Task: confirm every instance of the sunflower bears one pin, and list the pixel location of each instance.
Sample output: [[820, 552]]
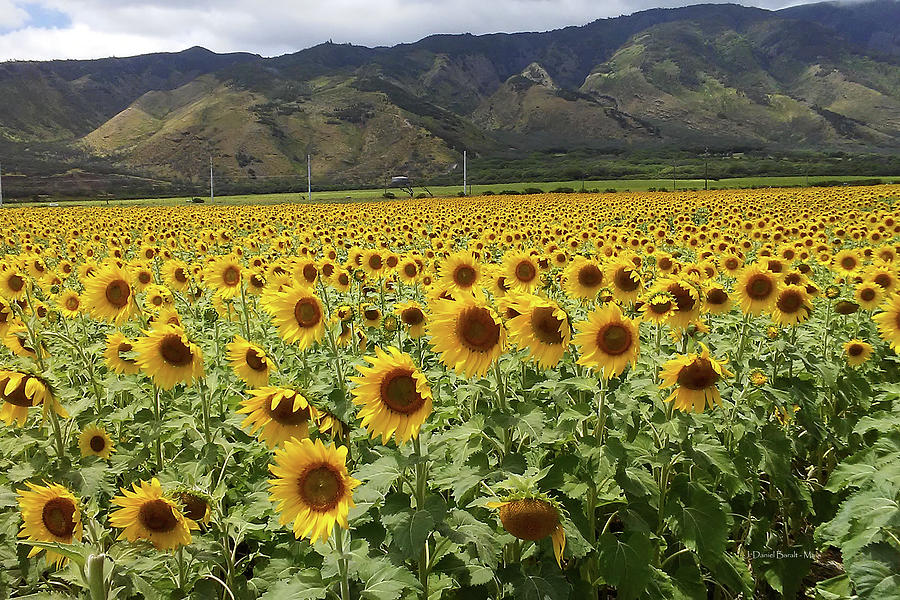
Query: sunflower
[[395, 396], [119, 354], [371, 315], [158, 297], [757, 289], [846, 261], [468, 334], [195, 505], [608, 341], [625, 280], [311, 487], [177, 275], [50, 513], [166, 355], [688, 301], [408, 270], [14, 284], [148, 514], [94, 441], [460, 272], [869, 295], [249, 362], [224, 275], [857, 352], [583, 279], [373, 262], [792, 306], [143, 276], [16, 339], [109, 296], [658, 307], [888, 321], [299, 315], [412, 315], [19, 392], [521, 271], [716, 300], [884, 276], [278, 414], [533, 519], [696, 376], [542, 328]]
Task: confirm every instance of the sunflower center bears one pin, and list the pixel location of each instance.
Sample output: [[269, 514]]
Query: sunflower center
[[321, 488], [16, 283], [284, 413], [371, 314], [848, 263], [343, 279], [194, 506], [180, 276], [231, 276], [71, 302], [660, 308], [525, 271], [307, 313], [157, 516], [412, 316], [464, 276], [792, 279], [310, 273], [731, 264], [124, 347], [398, 391], [477, 330], [97, 443], [699, 375], [614, 339], [590, 276], [883, 279], [174, 351], [144, 277], [58, 517], [759, 287], [409, 269], [117, 293], [546, 326], [683, 298], [16, 397], [855, 350], [624, 281], [717, 296], [529, 519], [328, 269], [255, 360], [789, 302], [257, 281], [867, 295]]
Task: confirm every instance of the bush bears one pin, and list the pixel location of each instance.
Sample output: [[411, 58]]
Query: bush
[[389, 195], [532, 190], [610, 190], [510, 193], [562, 190]]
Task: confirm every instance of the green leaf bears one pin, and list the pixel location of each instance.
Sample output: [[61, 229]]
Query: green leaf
[[385, 581], [836, 588], [547, 587], [699, 518], [78, 553], [462, 528], [875, 572], [305, 585], [624, 562]]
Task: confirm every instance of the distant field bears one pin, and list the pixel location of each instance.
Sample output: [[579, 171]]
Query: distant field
[[619, 185]]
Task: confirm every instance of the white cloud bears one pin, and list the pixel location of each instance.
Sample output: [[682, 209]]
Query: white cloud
[[102, 28]]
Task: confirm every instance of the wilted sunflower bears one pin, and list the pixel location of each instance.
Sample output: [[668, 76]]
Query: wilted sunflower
[[533, 519], [696, 376], [792, 306], [857, 352], [299, 316], [109, 296], [118, 354], [94, 441], [521, 271], [277, 414], [166, 355], [608, 341], [50, 513], [19, 392], [311, 487], [148, 514], [541, 328], [467, 333], [224, 275], [412, 316], [461, 272], [195, 505], [249, 362], [757, 289], [394, 394]]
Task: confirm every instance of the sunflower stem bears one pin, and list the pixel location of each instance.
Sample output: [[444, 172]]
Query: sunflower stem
[[501, 386], [57, 432], [181, 574], [156, 411], [94, 576], [246, 321], [421, 490], [343, 567]]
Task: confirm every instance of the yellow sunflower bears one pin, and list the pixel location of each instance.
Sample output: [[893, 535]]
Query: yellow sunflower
[[166, 355], [50, 513], [14, 284], [277, 414], [847, 261], [19, 392], [857, 352], [249, 362], [17, 340], [716, 300], [119, 354], [688, 301], [94, 441], [533, 519], [299, 316], [521, 271], [658, 307], [542, 328], [869, 295], [608, 341], [461, 272], [412, 315], [177, 275], [888, 321], [109, 295], [69, 304], [624, 279], [757, 289], [792, 306], [467, 333], [148, 514], [394, 394], [224, 275], [695, 376], [311, 487]]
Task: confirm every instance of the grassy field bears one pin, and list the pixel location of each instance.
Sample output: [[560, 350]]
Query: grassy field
[[619, 185]]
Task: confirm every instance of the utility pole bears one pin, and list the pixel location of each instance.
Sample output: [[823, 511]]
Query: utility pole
[[673, 175], [211, 191], [309, 178], [465, 174], [706, 169], [1, 184]]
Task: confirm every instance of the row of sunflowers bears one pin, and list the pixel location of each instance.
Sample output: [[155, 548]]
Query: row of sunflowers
[[645, 395]]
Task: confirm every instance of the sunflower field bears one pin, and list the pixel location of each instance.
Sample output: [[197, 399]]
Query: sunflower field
[[635, 396]]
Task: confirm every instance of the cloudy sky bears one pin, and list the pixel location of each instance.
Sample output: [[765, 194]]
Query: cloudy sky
[[48, 29]]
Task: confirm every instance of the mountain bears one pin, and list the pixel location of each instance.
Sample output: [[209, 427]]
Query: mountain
[[819, 77]]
